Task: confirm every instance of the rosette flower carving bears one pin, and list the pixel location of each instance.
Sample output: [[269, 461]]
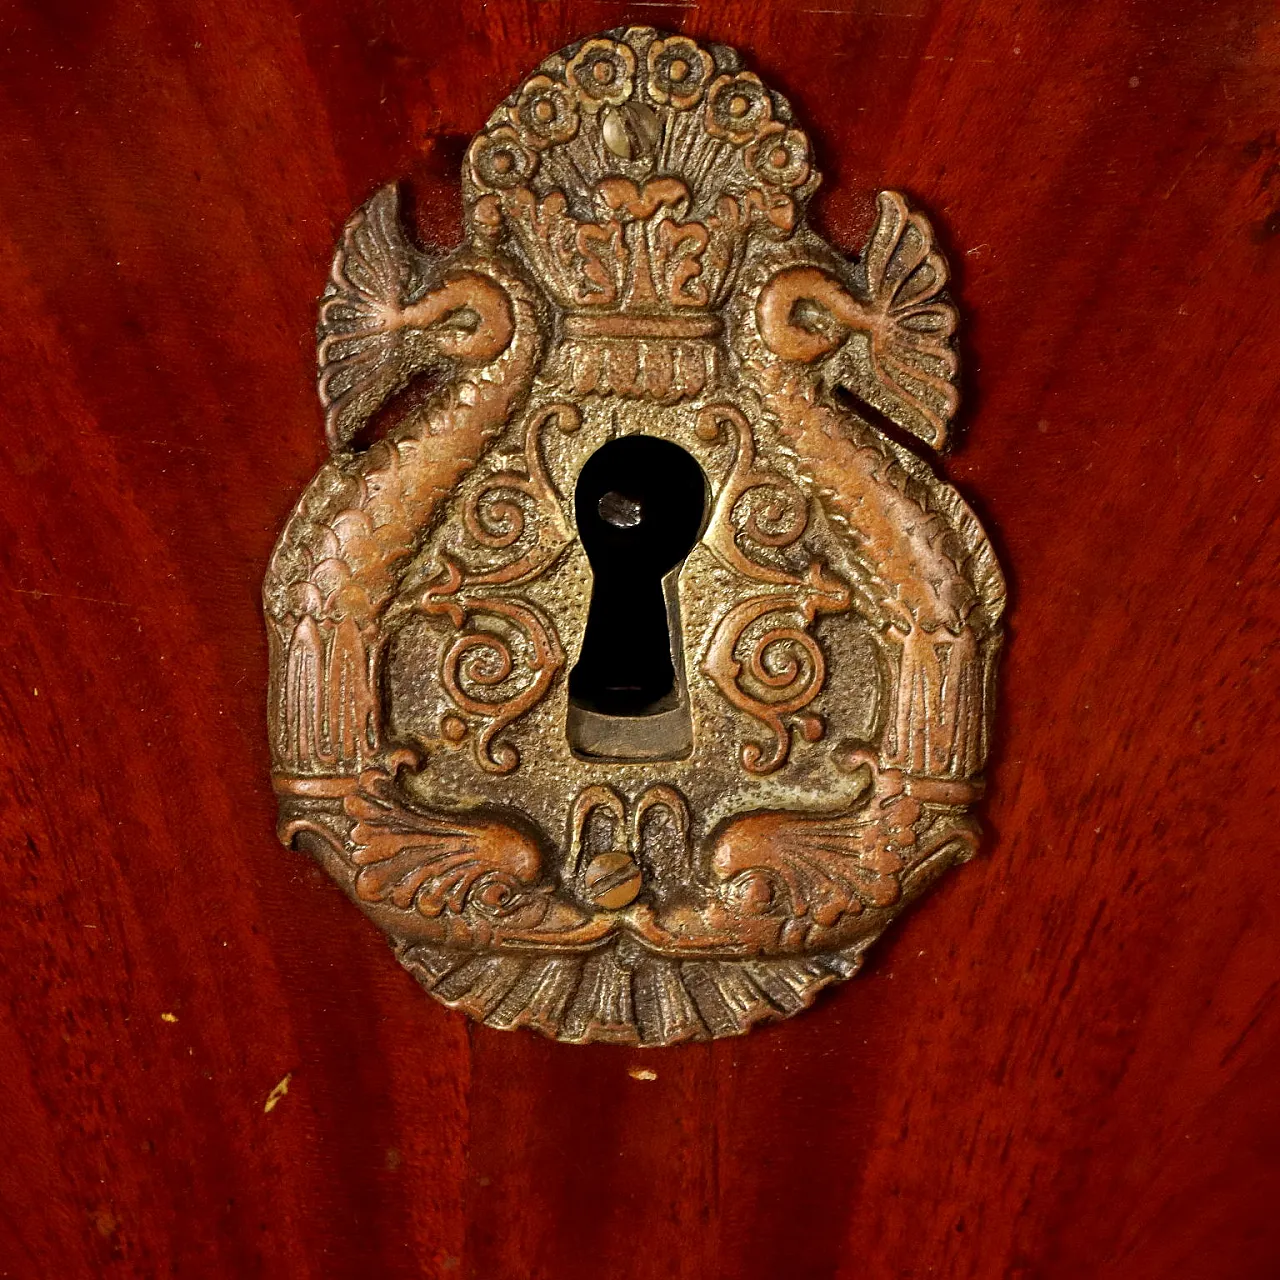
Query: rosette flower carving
[[603, 73], [499, 160], [636, 262], [545, 113], [738, 108], [679, 72], [779, 156]]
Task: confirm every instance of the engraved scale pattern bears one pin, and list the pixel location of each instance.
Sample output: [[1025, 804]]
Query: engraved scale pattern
[[637, 261]]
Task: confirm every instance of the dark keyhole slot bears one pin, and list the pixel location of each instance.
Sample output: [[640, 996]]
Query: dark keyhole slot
[[639, 503]]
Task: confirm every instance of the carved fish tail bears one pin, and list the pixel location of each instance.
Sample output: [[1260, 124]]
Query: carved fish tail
[[937, 728]]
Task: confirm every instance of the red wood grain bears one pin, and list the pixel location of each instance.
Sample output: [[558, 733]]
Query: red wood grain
[[1064, 1064]]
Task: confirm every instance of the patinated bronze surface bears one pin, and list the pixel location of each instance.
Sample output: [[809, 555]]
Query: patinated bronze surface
[[637, 263]]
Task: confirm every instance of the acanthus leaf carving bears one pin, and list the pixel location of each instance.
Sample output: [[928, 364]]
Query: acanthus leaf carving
[[637, 264], [434, 862], [784, 669]]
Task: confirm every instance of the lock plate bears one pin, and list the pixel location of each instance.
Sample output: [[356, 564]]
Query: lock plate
[[637, 263]]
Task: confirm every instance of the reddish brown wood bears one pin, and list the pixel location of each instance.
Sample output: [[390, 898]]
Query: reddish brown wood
[[1062, 1065]]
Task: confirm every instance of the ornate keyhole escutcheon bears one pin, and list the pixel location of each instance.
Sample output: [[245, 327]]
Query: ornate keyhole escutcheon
[[640, 503], [634, 677]]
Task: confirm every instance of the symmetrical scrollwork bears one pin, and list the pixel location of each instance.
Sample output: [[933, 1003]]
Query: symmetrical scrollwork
[[505, 653], [754, 504], [498, 511], [479, 669], [770, 670], [636, 262], [783, 668]]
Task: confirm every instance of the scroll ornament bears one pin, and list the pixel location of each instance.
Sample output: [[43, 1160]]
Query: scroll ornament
[[636, 262]]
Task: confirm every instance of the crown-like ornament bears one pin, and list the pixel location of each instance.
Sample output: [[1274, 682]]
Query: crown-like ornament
[[629, 178], [638, 266]]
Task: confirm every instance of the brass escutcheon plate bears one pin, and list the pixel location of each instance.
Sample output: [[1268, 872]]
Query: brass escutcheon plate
[[636, 263]]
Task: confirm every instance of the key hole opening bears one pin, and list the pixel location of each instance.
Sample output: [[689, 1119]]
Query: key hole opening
[[640, 504]]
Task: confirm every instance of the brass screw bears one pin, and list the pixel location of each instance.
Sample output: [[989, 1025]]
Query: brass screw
[[612, 881]]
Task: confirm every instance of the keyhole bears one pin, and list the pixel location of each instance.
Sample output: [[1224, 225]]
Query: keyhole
[[639, 504]]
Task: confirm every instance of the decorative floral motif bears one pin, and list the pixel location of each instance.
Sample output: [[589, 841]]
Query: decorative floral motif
[[772, 671], [738, 108], [545, 113], [679, 72], [433, 861], [603, 72], [780, 156], [829, 864], [499, 160], [636, 234]]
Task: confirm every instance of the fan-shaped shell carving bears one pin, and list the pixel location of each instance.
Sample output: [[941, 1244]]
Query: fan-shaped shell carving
[[637, 261]]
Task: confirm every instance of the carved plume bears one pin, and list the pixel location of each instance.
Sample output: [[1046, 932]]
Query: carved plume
[[628, 174]]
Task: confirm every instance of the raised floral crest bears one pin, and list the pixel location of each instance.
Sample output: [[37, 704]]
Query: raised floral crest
[[637, 264]]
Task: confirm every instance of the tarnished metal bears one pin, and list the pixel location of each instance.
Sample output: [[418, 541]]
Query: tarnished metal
[[636, 264]]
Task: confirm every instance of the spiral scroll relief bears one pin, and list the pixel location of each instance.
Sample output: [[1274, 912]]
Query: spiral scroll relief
[[636, 263], [479, 669]]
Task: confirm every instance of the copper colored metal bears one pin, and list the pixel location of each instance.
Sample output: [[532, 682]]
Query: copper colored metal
[[636, 262]]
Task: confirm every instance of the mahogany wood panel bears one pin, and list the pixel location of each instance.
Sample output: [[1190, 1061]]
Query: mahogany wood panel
[[1064, 1064]]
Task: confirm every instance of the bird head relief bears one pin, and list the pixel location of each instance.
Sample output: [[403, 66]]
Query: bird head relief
[[627, 668]]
